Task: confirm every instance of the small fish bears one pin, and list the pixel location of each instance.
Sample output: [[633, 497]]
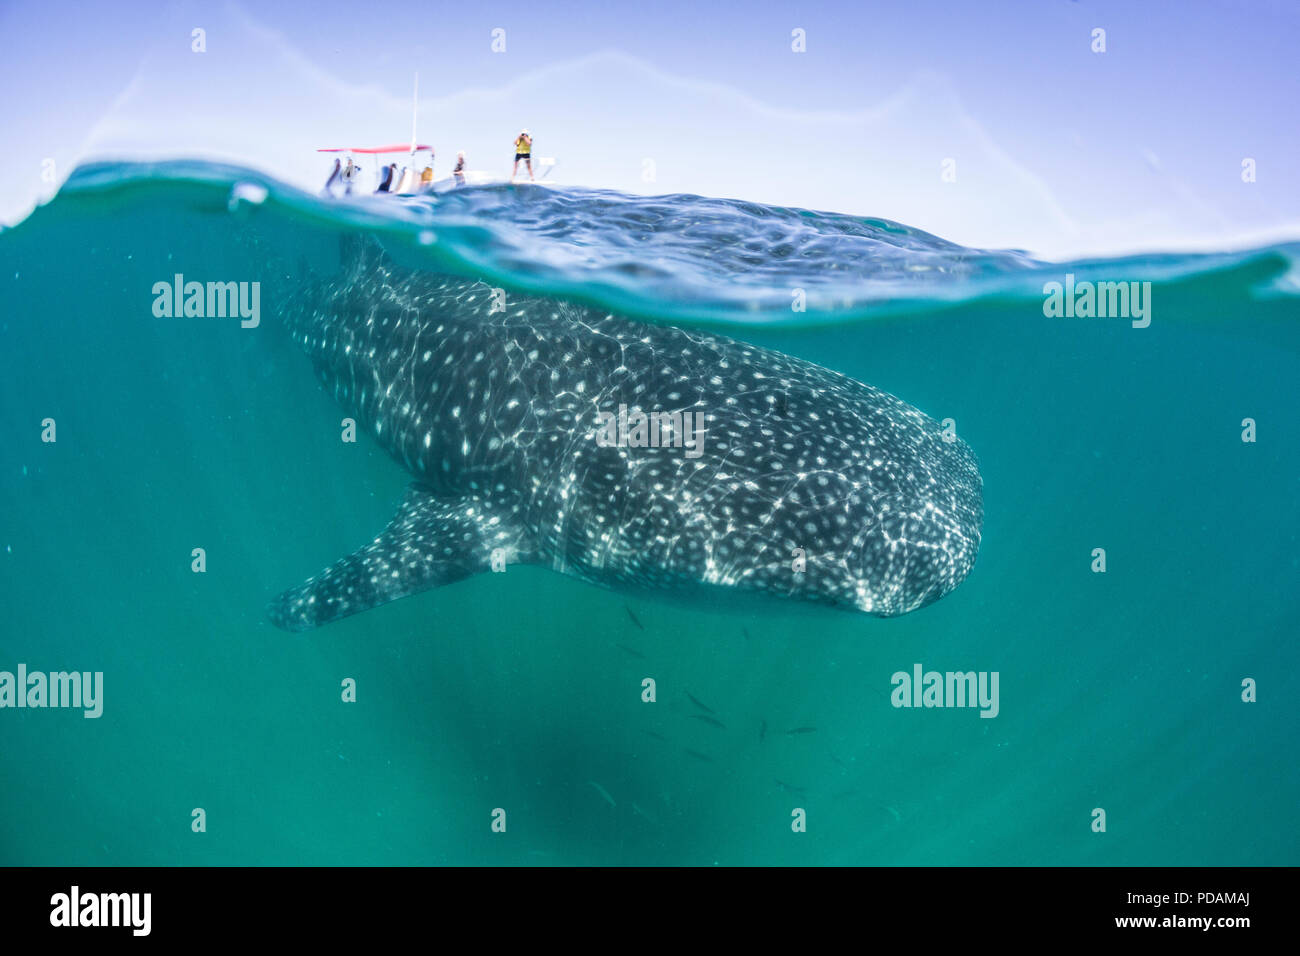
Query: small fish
[[762, 731], [801, 730], [787, 788], [656, 735], [894, 813], [745, 631], [603, 792], [710, 720], [633, 617], [699, 756], [631, 650], [838, 761], [700, 704]]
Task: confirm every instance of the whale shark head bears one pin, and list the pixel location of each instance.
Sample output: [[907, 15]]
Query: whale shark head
[[889, 519], [909, 555], [919, 544]]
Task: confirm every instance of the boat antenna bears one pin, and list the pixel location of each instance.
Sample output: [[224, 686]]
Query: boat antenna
[[415, 106]]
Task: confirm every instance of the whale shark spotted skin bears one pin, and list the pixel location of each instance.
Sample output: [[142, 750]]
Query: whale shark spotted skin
[[807, 485]]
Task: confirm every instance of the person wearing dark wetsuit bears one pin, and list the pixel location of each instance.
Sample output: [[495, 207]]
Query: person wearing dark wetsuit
[[334, 177]]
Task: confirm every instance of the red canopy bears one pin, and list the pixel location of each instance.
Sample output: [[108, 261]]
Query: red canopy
[[396, 148]]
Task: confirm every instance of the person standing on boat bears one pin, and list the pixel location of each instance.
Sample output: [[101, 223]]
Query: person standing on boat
[[349, 174], [334, 177], [524, 151], [388, 178], [459, 171]]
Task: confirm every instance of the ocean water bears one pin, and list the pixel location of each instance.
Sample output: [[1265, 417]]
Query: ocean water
[[522, 691]]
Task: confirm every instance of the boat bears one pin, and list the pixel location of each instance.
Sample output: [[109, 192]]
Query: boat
[[410, 182]]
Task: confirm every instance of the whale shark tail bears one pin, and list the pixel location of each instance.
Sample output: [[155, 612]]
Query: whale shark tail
[[430, 542]]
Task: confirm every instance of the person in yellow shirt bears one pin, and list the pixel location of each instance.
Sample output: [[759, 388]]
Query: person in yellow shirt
[[524, 151]]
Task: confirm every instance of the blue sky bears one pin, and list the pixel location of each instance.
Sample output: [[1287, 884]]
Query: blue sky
[[1056, 149]]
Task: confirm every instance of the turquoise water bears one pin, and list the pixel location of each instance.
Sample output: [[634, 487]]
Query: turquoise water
[[521, 690]]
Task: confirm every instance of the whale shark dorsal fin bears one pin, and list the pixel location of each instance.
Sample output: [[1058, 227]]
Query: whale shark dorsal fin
[[430, 542]]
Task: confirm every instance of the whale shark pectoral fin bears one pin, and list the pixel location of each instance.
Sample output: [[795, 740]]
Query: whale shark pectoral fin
[[430, 542]]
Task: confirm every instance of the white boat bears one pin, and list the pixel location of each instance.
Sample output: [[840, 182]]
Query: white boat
[[409, 182], [409, 179]]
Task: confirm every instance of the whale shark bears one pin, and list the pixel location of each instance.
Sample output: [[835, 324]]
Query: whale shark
[[631, 455]]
